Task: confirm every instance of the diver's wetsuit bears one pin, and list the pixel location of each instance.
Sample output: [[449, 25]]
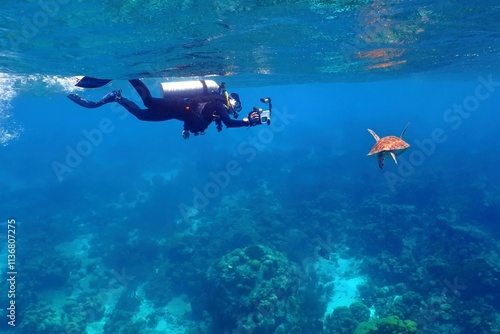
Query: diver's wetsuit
[[196, 113]]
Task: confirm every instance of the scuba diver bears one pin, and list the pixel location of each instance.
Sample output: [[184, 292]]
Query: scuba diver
[[197, 112]]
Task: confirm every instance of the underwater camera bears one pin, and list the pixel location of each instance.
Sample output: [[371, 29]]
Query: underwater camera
[[265, 115]]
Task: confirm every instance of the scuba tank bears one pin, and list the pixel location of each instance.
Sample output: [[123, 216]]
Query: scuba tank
[[189, 89]]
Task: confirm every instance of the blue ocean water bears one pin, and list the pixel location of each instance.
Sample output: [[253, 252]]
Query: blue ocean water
[[114, 225]]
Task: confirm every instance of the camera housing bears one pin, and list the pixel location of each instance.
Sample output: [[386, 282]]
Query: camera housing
[[265, 115]]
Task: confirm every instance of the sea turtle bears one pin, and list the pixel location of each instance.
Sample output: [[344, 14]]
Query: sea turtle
[[390, 145]]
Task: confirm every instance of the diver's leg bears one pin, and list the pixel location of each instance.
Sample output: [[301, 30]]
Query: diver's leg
[[110, 97], [83, 102], [142, 90], [143, 114], [134, 109], [154, 103], [161, 108], [131, 107]]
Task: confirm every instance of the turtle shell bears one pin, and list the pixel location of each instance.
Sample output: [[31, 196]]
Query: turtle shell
[[389, 143]]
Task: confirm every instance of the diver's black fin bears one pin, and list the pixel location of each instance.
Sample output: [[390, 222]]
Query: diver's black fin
[[89, 82]]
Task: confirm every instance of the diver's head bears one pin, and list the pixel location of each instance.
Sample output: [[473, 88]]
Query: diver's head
[[234, 101]]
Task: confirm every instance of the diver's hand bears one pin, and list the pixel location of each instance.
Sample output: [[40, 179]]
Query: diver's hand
[[253, 118], [185, 134]]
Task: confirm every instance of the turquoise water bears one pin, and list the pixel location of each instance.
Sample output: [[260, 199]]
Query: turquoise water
[[123, 226]]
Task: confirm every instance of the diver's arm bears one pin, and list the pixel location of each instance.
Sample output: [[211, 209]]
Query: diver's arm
[[228, 121]]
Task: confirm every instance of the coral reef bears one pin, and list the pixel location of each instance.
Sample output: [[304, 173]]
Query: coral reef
[[343, 319], [428, 263], [254, 290], [340, 321], [388, 325], [394, 325], [47, 319]]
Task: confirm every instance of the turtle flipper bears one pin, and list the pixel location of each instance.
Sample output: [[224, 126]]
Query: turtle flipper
[[381, 161], [403, 133], [393, 157], [374, 135]]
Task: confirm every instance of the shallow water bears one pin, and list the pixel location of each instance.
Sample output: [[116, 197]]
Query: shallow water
[[264, 42]]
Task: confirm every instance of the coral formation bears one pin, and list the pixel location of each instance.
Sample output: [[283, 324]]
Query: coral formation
[[254, 290], [388, 325], [344, 320], [340, 321], [69, 319]]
